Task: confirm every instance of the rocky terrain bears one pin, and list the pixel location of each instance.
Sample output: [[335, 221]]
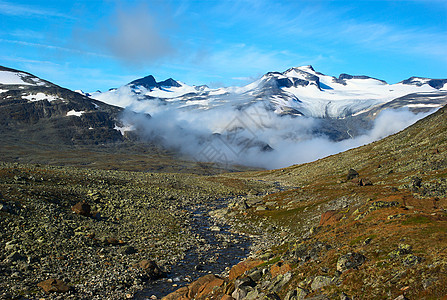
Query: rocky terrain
[[369, 223], [105, 216], [103, 234]]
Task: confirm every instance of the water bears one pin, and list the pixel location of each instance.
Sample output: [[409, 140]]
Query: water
[[217, 251]]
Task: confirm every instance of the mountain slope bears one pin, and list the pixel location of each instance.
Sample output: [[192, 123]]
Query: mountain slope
[[45, 123], [368, 223], [39, 110]]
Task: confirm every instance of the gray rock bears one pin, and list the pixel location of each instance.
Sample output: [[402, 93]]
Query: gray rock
[[352, 174], [350, 261], [343, 296], [426, 283], [401, 297], [255, 275], [15, 256], [297, 294], [127, 250], [321, 281], [411, 260]]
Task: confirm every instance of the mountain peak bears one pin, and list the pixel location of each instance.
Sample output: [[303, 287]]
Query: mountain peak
[[169, 83], [148, 82], [306, 68]]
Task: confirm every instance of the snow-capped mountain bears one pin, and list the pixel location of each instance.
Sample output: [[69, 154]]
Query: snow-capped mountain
[[34, 109], [299, 91]]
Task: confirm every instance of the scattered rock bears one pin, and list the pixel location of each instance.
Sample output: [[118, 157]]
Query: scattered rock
[[81, 208], [127, 250], [426, 283], [352, 174], [242, 267], [364, 182], [151, 268], [411, 260], [53, 285], [350, 261], [382, 204], [402, 249], [321, 281], [280, 268], [214, 228]]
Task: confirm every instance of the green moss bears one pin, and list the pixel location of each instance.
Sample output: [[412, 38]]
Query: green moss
[[271, 262], [416, 220], [362, 238]]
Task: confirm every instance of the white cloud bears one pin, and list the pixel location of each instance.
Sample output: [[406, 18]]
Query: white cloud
[[132, 34], [244, 133]]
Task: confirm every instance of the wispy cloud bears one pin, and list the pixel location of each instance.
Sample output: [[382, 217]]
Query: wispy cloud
[[14, 9], [52, 47]]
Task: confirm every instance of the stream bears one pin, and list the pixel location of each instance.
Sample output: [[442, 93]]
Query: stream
[[218, 249]]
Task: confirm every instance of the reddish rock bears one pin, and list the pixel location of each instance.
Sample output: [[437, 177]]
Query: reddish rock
[[180, 294], [111, 241], [209, 286], [207, 282], [198, 289], [151, 268], [243, 266], [365, 182], [280, 268], [81, 208], [330, 217], [53, 285]]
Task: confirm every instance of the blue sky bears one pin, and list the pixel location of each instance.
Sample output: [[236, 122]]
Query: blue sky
[[96, 44]]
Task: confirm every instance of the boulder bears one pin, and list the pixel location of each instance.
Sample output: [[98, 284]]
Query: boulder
[[352, 174], [243, 266], [204, 285], [53, 285], [151, 268], [82, 208], [364, 182], [321, 281], [280, 268], [350, 261]]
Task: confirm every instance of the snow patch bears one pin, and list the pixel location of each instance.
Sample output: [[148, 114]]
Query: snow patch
[[75, 113], [40, 96], [422, 105], [2, 91], [8, 77]]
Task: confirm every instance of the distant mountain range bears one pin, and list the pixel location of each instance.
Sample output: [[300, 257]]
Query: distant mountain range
[[292, 106], [345, 105], [299, 91]]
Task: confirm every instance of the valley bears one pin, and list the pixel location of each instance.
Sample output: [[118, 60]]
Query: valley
[[92, 211]]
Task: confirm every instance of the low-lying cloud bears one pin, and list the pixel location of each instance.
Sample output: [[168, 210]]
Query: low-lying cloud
[[251, 136]]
